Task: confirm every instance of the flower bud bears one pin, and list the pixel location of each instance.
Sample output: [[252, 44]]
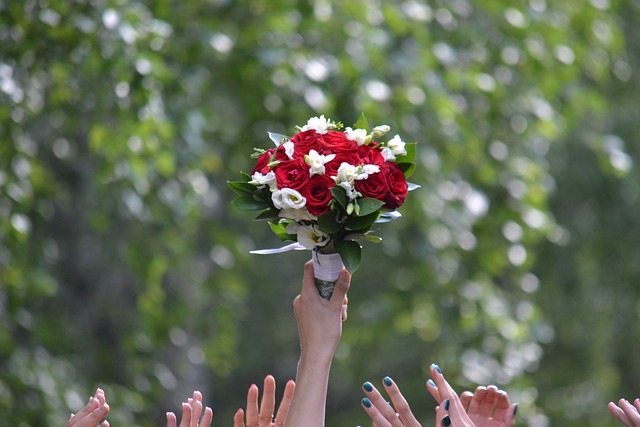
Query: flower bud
[[381, 130]]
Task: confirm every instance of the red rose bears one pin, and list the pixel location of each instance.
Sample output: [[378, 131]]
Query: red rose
[[263, 161], [351, 157], [303, 142], [369, 155], [335, 142], [375, 186], [292, 174], [318, 194], [397, 183]]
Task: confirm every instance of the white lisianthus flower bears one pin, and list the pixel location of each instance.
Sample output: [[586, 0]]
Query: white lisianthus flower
[[344, 178], [317, 161], [388, 155], [395, 147], [269, 179], [357, 135], [288, 149], [288, 198], [309, 236], [364, 171], [379, 131], [297, 214], [319, 124]]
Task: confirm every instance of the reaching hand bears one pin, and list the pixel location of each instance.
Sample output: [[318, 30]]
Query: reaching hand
[[92, 413], [381, 413], [625, 412], [191, 411], [263, 416], [487, 407]]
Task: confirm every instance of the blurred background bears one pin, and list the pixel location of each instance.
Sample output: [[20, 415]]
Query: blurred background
[[123, 264]]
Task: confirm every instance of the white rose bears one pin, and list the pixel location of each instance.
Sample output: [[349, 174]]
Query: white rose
[[287, 198], [357, 135], [309, 236]]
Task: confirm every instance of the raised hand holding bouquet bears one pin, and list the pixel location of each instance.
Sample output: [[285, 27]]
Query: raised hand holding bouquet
[[324, 188]]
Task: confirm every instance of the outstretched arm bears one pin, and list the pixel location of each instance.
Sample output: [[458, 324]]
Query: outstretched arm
[[320, 328]]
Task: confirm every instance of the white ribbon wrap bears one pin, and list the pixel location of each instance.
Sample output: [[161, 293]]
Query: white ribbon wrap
[[327, 267]]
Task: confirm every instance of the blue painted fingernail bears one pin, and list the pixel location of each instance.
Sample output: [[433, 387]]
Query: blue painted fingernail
[[446, 421], [436, 367], [387, 381], [367, 386], [446, 405], [366, 402], [431, 383], [515, 410]]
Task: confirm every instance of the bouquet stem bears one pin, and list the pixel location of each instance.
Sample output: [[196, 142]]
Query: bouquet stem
[[326, 269]]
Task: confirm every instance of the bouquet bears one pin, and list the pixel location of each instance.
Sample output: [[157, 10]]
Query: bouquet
[[324, 188]]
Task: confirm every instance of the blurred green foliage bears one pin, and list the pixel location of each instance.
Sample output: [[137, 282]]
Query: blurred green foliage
[[123, 265]]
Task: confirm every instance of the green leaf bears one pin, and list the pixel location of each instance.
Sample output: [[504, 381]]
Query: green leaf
[[245, 176], [361, 222], [267, 215], [407, 168], [327, 223], [362, 123], [368, 206], [350, 253], [340, 196], [247, 203], [410, 157], [241, 188], [280, 230], [372, 239]]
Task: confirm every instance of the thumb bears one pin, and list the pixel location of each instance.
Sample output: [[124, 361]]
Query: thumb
[[341, 288]]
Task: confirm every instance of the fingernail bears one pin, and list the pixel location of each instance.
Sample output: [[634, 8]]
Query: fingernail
[[515, 410], [367, 386], [446, 421], [437, 368], [366, 402], [387, 381], [431, 383], [446, 405]]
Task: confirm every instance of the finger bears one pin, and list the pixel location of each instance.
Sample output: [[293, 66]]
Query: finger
[[630, 411], [489, 402], [308, 282], [341, 288], [432, 388], [283, 410], [196, 408], [400, 403], [373, 411], [465, 399], [238, 418], [375, 399], [105, 423], [636, 403], [477, 400], [442, 414], [252, 406], [172, 421], [91, 406], [94, 418], [267, 404], [206, 418], [457, 413], [185, 421], [345, 309], [502, 411], [619, 414]]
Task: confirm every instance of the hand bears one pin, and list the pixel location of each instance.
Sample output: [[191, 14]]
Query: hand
[[92, 413], [320, 321], [625, 412], [263, 416], [191, 411], [450, 410], [381, 413]]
